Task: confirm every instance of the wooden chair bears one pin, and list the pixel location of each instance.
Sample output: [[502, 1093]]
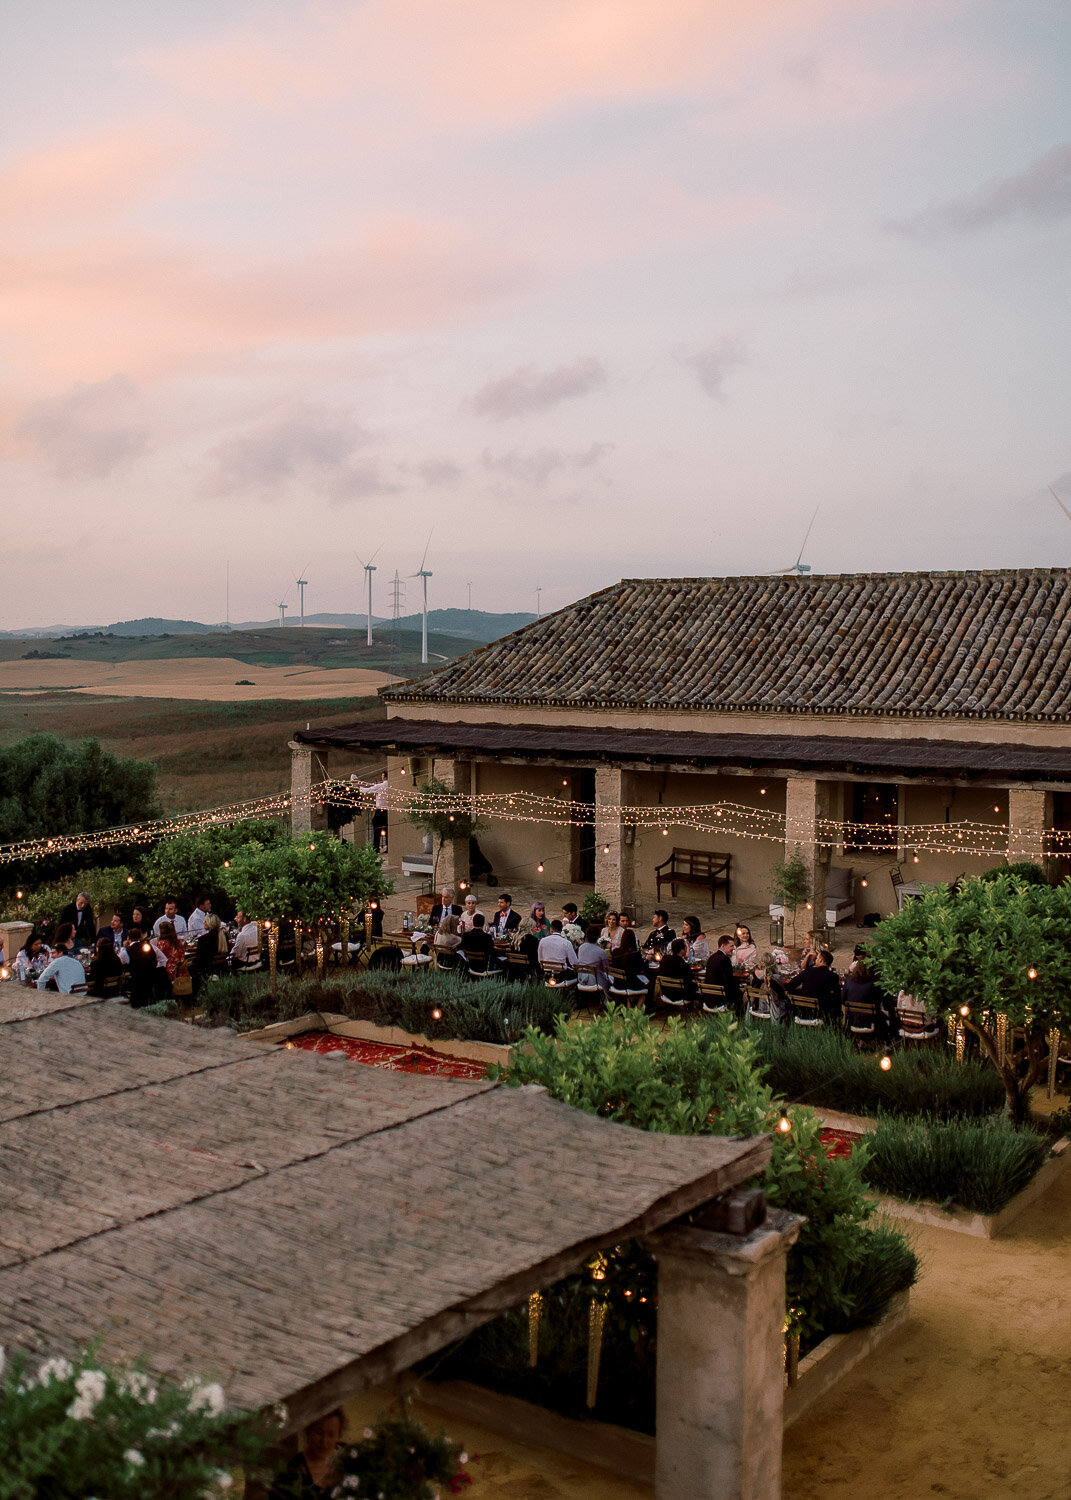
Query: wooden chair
[[672, 995], [712, 998], [804, 1010], [621, 988], [558, 976], [519, 966], [587, 983], [446, 959], [861, 1020], [480, 965], [916, 1028]]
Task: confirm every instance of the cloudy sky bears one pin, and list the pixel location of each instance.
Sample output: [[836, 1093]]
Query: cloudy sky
[[595, 288]]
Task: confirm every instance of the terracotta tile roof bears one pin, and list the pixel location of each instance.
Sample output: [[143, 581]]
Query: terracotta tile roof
[[932, 645]]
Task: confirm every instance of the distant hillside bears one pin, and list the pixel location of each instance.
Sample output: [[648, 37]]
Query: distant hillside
[[476, 626], [473, 624]]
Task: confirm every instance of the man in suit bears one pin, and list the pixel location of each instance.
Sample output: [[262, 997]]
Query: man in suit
[[444, 907], [478, 946], [80, 915], [719, 970], [505, 919], [816, 982], [661, 933]]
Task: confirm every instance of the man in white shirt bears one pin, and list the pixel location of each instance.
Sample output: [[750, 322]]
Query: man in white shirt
[[555, 948], [381, 790], [247, 943], [196, 925], [171, 914], [65, 970]]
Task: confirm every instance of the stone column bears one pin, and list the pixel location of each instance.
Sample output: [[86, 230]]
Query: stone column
[[308, 768], [721, 1309], [807, 800], [1029, 818], [615, 860], [453, 866]]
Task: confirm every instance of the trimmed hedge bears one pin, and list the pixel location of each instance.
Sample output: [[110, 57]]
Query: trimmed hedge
[[979, 1165], [825, 1068]]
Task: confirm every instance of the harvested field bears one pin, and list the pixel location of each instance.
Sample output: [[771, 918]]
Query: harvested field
[[218, 679]]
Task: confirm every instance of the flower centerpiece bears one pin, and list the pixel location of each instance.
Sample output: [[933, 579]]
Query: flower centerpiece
[[574, 932]]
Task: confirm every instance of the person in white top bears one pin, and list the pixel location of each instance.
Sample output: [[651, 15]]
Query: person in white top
[[65, 970], [247, 943], [171, 914], [381, 791], [469, 912], [196, 925], [555, 948]]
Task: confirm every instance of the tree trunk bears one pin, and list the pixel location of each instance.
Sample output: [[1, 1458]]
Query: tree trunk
[[1016, 1088]]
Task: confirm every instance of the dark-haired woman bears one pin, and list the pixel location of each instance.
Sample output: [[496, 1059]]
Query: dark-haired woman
[[628, 957], [32, 959], [104, 966]]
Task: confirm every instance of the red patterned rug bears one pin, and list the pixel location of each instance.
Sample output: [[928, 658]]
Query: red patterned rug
[[838, 1142], [386, 1055]]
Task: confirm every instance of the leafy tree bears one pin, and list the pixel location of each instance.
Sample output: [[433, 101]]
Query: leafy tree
[[110, 889], [790, 883], [703, 1080], [305, 879], [48, 786], [995, 949], [428, 812], [190, 864]]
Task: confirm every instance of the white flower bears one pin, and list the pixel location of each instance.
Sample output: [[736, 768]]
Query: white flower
[[224, 1480], [137, 1383], [350, 1483], [367, 1432], [280, 1413], [462, 1458], [54, 1369], [207, 1398], [134, 1458], [91, 1386]]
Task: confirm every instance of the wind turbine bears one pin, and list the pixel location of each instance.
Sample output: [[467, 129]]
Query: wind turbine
[[424, 573], [281, 607], [539, 596], [798, 566], [302, 584], [369, 568]]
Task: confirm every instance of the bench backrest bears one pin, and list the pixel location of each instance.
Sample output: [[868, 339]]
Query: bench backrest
[[700, 863]]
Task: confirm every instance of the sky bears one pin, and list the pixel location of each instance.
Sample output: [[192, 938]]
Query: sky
[[584, 289]]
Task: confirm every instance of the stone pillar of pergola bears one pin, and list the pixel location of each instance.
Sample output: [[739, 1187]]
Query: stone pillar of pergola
[[1029, 819], [615, 861], [806, 802], [308, 769], [721, 1309], [453, 864]]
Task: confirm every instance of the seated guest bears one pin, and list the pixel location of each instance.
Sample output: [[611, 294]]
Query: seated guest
[[719, 970], [538, 915], [139, 918], [570, 916], [478, 943], [525, 938], [629, 961], [624, 922], [747, 954], [505, 918], [661, 933], [448, 934], [211, 947], [32, 959], [861, 988], [246, 943], [610, 935], [444, 907], [167, 943], [62, 972], [115, 932], [675, 966], [105, 965], [556, 949], [591, 954], [198, 917], [313, 1473], [698, 947], [809, 955], [816, 982], [469, 913], [171, 914], [142, 959], [80, 916]]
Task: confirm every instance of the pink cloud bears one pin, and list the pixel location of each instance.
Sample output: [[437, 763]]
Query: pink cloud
[[93, 175]]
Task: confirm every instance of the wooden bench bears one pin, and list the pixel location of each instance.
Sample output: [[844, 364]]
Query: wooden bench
[[703, 867]]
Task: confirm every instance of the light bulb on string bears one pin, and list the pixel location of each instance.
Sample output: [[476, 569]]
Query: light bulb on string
[[539, 868], [1031, 973], [864, 882], [964, 1010], [784, 1124], [885, 1061]]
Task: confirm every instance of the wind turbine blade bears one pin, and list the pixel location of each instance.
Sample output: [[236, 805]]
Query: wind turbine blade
[[1060, 503], [376, 553], [807, 533], [359, 558], [424, 559]]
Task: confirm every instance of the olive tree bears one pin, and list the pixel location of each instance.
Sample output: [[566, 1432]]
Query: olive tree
[[994, 955], [429, 811]]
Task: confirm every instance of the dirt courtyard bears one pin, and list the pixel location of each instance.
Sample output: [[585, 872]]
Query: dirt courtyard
[[214, 679]]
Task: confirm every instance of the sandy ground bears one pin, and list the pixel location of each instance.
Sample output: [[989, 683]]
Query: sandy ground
[[208, 677]]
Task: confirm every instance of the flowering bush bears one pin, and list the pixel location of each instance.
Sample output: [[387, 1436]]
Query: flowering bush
[[71, 1431], [398, 1459]]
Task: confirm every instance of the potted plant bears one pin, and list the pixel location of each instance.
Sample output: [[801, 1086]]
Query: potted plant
[[429, 810], [790, 886]]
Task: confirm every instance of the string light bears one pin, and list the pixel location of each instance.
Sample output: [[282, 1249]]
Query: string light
[[784, 1124], [539, 867], [885, 1062], [436, 1014], [1031, 973], [964, 1010]]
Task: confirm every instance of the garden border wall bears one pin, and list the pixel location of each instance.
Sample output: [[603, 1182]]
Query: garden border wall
[[984, 1226]]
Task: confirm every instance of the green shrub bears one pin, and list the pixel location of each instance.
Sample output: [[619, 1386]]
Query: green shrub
[[977, 1164], [882, 1264], [594, 909], [825, 1068], [1024, 870], [41, 903]]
